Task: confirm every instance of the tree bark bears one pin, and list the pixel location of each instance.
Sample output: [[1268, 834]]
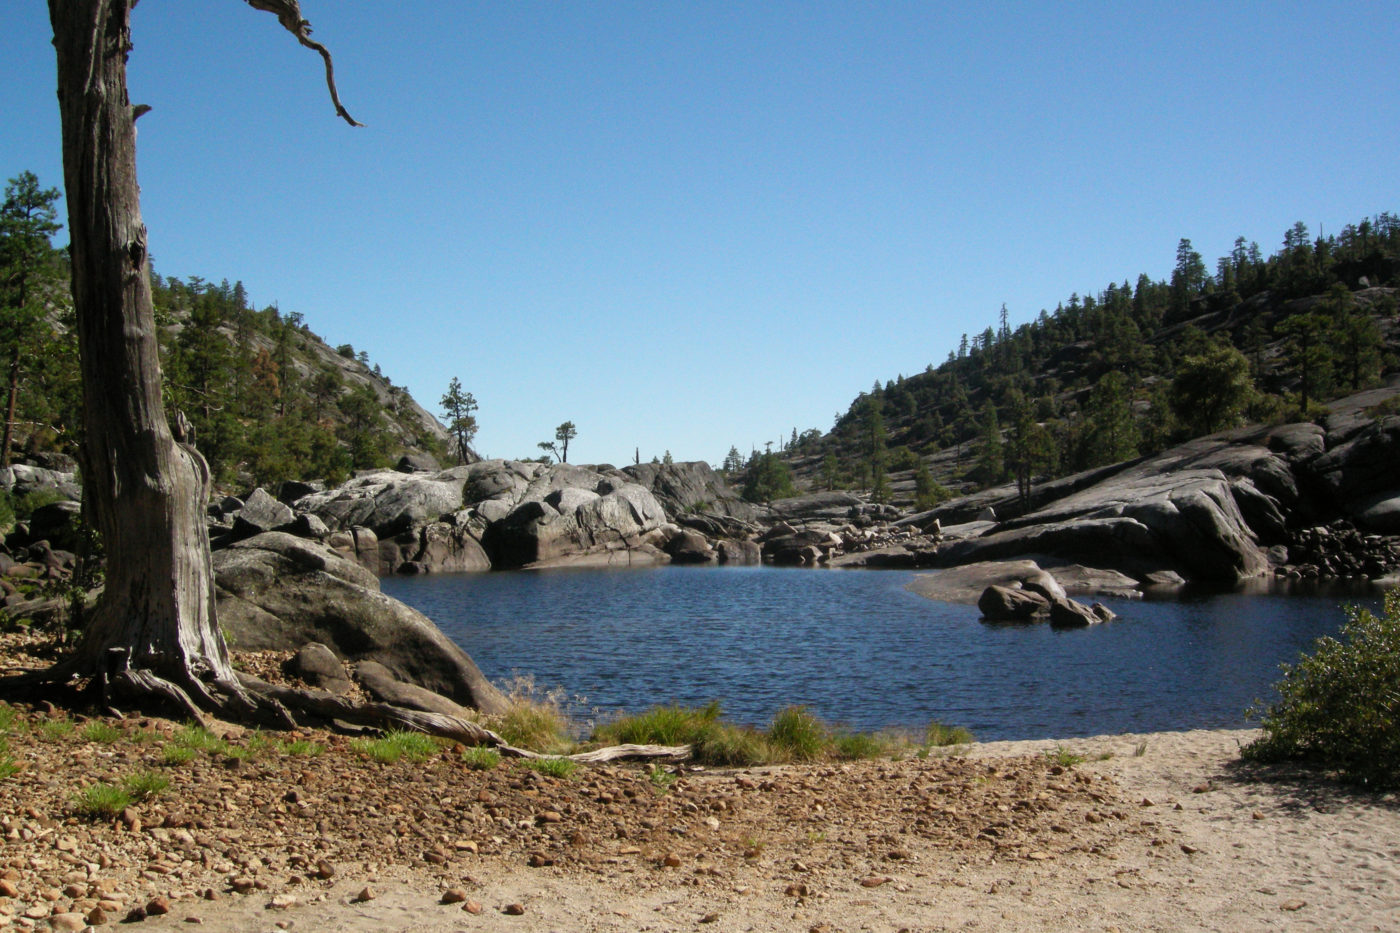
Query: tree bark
[[146, 493]]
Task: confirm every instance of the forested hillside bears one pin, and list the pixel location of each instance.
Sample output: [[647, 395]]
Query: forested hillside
[[267, 398], [1122, 373]]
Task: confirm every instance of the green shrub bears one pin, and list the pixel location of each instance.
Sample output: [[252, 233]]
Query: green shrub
[[1340, 706], [33, 500], [797, 734]]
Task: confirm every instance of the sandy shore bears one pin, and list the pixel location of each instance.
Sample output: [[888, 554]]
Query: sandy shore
[[1174, 834]]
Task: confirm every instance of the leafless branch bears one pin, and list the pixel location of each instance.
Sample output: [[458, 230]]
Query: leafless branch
[[288, 13]]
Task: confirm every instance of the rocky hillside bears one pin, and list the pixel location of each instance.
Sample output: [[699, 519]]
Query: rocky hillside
[[1131, 371]]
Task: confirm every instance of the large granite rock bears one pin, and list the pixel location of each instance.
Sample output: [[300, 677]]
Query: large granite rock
[[279, 592], [592, 514], [1139, 521]]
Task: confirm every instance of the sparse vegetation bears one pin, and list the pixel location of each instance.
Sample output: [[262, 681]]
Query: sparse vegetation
[[145, 784], [940, 735], [1063, 756], [100, 731], [554, 767], [396, 745], [302, 748], [100, 801], [1339, 707], [481, 758]]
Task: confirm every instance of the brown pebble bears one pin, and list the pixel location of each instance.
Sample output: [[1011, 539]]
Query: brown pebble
[[158, 906], [366, 894], [96, 917], [671, 861], [513, 910], [1189, 849], [472, 907], [539, 860], [325, 870], [710, 918], [1294, 904], [873, 882], [1257, 815], [454, 896], [8, 888], [796, 890], [136, 915]]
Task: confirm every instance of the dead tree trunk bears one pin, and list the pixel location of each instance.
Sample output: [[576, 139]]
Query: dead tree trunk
[[146, 493]]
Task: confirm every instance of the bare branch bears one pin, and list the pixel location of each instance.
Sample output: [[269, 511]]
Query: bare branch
[[288, 13]]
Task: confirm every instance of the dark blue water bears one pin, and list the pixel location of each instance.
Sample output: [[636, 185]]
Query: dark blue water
[[862, 651]]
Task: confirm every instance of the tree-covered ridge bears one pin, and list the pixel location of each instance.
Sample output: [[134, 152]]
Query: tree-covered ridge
[[1128, 371], [269, 399], [266, 398]]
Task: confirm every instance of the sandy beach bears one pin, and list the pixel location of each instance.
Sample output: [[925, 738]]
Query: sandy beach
[[1163, 831]]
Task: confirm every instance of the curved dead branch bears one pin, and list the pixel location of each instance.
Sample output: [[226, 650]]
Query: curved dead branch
[[288, 13]]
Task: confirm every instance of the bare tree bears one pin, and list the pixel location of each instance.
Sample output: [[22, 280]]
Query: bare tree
[[154, 631]]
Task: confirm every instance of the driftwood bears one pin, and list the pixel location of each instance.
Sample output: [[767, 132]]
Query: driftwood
[[387, 716]]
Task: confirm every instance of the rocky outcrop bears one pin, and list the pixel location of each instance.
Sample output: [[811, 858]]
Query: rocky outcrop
[[279, 592], [697, 497]]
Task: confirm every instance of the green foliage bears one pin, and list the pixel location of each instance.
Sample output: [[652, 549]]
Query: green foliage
[[1063, 756], [1211, 390], [99, 731], [938, 735], [535, 719], [713, 741], [396, 745], [798, 734], [767, 478], [178, 754], [1339, 707], [303, 748], [145, 784], [56, 729], [457, 408], [561, 768], [481, 758], [858, 745], [100, 801]]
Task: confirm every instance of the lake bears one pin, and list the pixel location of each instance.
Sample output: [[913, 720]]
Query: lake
[[860, 650]]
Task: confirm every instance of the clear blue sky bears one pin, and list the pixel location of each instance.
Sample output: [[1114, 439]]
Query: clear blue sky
[[689, 225]]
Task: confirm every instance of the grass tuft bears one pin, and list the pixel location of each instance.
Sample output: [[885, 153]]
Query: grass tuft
[[940, 735], [97, 730], [178, 754], [554, 767], [1062, 755], [798, 735], [303, 748], [396, 745], [145, 784], [100, 801], [56, 729], [481, 758]]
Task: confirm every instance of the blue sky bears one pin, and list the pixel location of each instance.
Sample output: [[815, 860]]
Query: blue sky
[[689, 225]]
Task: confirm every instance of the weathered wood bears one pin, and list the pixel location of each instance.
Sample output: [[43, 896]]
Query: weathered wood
[[145, 493], [384, 715]]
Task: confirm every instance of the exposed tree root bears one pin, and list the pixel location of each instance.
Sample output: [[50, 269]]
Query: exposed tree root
[[384, 715], [279, 706]]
